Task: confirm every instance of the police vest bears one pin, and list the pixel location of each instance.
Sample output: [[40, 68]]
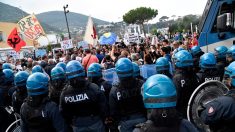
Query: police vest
[[209, 75], [54, 94], [130, 100], [18, 100], [81, 102], [185, 83], [37, 119], [6, 99], [105, 87]]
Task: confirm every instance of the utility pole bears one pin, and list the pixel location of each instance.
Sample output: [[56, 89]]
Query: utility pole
[[65, 12]]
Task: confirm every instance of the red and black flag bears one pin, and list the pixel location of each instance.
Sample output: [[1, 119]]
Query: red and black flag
[[15, 41]]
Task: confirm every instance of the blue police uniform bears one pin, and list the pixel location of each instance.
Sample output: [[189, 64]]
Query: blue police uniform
[[159, 95], [43, 118], [125, 99], [126, 105], [220, 54], [84, 108], [58, 82], [163, 67], [136, 71], [94, 74], [208, 68], [21, 91], [230, 56], [18, 99], [38, 113], [219, 113], [82, 103], [196, 53], [6, 83], [3, 113], [184, 79]]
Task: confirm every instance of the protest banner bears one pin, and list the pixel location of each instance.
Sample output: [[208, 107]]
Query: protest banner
[[30, 27], [66, 44], [15, 41]]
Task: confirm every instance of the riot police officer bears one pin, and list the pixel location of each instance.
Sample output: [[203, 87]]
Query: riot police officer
[[38, 68], [21, 92], [82, 103], [6, 66], [208, 68], [159, 95], [7, 78], [125, 100], [38, 113], [219, 113], [62, 65], [230, 56], [58, 82], [136, 71], [163, 67], [220, 54], [94, 74], [184, 79], [196, 53]]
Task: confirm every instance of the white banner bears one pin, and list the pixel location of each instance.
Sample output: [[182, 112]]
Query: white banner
[[30, 27], [131, 37], [66, 44]]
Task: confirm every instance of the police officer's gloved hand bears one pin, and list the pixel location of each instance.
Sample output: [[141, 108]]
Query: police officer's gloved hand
[[200, 108]]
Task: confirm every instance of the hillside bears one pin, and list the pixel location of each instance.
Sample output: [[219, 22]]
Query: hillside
[[14, 14], [10, 13], [75, 20], [50, 21]]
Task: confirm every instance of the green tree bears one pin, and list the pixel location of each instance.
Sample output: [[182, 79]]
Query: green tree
[[163, 18], [154, 31], [140, 16], [49, 47], [183, 23]]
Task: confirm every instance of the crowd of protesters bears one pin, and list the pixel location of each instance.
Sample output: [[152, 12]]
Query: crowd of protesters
[[81, 100]]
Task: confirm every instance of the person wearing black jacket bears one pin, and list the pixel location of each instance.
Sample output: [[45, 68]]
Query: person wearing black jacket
[[125, 99], [38, 113], [82, 104], [185, 80]]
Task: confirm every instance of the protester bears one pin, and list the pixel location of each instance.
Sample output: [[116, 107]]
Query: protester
[[89, 59]]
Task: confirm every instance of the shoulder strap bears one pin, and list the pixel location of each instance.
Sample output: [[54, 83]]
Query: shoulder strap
[[87, 62]]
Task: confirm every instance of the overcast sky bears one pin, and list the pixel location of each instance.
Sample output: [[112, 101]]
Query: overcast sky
[[111, 10]]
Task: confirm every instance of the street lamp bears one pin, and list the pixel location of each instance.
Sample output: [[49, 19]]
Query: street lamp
[[65, 12]]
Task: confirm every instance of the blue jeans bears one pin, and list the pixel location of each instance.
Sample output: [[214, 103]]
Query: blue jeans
[[129, 125]]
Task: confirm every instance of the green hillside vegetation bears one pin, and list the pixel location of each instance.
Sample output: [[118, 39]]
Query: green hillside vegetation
[[53, 21]]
